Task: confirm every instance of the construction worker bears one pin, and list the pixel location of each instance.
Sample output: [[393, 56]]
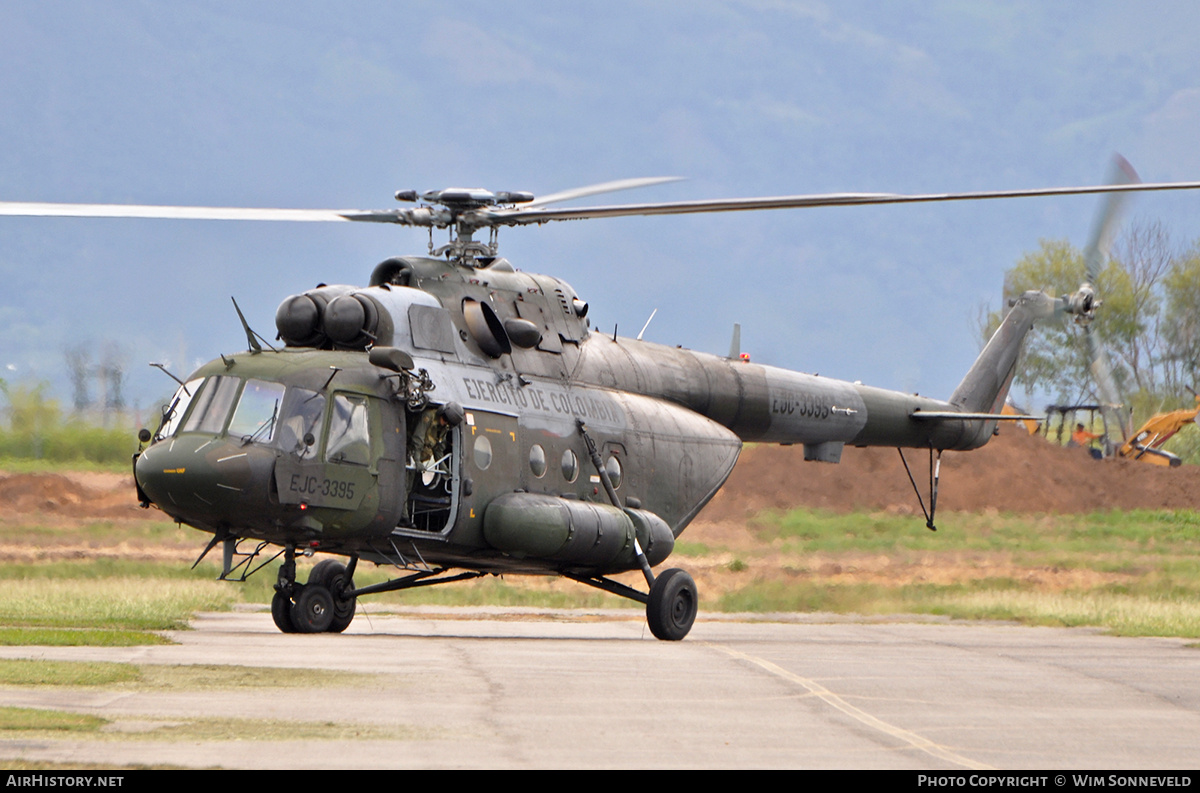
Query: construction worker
[[1081, 437]]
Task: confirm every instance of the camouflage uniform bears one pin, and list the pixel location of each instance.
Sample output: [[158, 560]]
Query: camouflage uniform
[[426, 444]]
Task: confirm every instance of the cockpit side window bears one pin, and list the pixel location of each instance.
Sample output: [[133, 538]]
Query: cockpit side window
[[173, 411], [349, 439], [211, 406], [257, 411], [299, 418]]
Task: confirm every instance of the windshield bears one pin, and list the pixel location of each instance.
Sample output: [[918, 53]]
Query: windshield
[[211, 406], [287, 418], [256, 412], [300, 422], [173, 411]]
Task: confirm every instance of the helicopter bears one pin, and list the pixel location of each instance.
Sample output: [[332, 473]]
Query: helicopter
[[458, 418]]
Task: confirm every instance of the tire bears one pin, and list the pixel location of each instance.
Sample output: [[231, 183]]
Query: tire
[[331, 574], [673, 604], [343, 607], [313, 611], [323, 570], [281, 612]]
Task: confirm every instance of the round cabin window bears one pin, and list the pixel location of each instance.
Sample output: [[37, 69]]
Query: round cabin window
[[570, 466], [483, 452], [537, 460]]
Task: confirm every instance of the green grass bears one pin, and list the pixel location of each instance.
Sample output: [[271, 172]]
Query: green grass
[[26, 672], [98, 532], [1126, 615], [688, 548], [77, 637], [21, 574], [1141, 568], [124, 603], [811, 531], [38, 672], [29, 465], [47, 721]]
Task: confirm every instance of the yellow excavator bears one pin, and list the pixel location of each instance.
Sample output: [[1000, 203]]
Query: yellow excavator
[[1146, 443]]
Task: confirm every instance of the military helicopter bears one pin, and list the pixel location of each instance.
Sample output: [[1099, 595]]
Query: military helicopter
[[457, 418]]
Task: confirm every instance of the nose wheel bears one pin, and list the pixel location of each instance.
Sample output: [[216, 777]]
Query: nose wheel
[[313, 611], [281, 612], [318, 606]]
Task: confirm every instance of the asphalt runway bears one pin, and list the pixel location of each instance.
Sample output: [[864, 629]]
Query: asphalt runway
[[494, 689]]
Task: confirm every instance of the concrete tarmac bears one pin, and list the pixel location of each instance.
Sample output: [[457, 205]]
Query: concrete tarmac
[[490, 688]]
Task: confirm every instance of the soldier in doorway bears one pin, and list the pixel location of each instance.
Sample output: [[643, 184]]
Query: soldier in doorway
[[428, 444]]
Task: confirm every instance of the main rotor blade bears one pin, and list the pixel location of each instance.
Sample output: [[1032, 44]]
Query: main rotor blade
[[480, 218], [522, 216], [603, 187], [34, 209], [1108, 219]]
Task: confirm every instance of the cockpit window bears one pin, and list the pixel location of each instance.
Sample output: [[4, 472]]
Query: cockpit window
[[349, 441], [257, 411], [300, 418], [211, 406], [173, 411]]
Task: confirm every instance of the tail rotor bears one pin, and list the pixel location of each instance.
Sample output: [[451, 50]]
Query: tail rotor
[[1084, 302]]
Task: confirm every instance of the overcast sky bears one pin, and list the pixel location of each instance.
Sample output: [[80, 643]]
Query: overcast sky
[[340, 104]]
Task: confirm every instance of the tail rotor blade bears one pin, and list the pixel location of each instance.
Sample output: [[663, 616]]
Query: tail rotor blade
[[1108, 218], [1111, 403]]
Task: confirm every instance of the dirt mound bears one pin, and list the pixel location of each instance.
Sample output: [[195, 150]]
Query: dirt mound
[[1015, 472], [75, 495]]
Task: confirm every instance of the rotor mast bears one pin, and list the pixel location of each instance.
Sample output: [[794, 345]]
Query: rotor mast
[[459, 209]]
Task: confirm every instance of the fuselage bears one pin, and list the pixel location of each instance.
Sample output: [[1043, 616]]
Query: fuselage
[[316, 445]]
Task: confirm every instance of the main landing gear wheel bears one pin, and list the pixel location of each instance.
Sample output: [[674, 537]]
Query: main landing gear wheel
[[281, 612], [672, 606], [313, 612], [331, 574]]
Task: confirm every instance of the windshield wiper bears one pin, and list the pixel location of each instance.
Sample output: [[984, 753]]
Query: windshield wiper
[[268, 426]]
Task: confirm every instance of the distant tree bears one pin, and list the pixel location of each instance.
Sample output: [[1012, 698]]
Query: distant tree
[[30, 415], [1181, 320], [1148, 323], [1132, 310]]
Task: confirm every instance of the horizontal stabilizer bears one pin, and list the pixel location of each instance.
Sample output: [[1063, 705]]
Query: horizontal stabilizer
[[931, 415]]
